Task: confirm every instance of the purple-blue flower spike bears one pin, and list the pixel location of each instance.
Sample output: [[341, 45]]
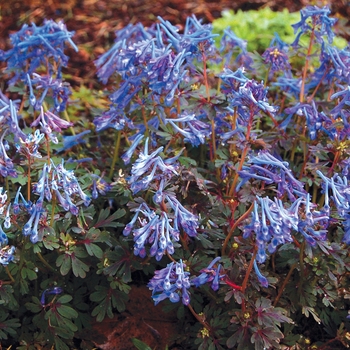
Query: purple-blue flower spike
[[262, 279], [171, 282], [54, 291]]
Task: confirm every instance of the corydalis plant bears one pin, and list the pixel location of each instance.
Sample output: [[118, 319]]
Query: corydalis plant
[[258, 200]]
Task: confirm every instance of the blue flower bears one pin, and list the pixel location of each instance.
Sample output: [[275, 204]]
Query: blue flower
[[209, 275], [7, 254], [35, 46], [266, 167], [32, 225], [195, 33], [29, 146], [113, 118], [183, 217], [112, 60], [316, 121], [128, 154], [54, 291], [153, 229], [6, 165], [60, 91], [273, 226], [3, 237], [152, 161], [316, 19], [262, 279], [230, 43], [276, 58], [73, 140], [50, 122], [171, 282], [195, 131], [99, 186]]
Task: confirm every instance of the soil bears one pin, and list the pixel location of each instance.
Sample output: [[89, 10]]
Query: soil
[[141, 320], [94, 22]]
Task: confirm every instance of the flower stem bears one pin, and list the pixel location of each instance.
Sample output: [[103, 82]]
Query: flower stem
[[249, 270], [41, 258], [28, 177], [9, 274], [115, 154], [234, 226], [280, 291], [306, 66], [200, 319]]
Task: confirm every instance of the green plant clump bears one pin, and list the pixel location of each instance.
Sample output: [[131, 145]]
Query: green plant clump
[[217, 177]]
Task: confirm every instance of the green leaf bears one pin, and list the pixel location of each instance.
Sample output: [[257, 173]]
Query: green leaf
[[64, 299], [79, 268], [140, 345], [50, 242], [94, 250], [65, 262], [67, 311], [105, 221], [60, 345]]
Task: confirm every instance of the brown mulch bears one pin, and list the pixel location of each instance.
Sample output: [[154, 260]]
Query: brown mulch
[[95, 21]]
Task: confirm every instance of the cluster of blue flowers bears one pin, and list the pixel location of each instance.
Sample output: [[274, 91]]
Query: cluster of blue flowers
[[173, 282], [6, 251], [36, 60]]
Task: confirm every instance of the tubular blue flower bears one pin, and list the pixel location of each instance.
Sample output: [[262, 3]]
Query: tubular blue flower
[[274, 227], [50, 122], [316, 121], [7, 222], [252, 95], [266, 167], [17, 206], [42, 186], [343, 104], [58, 89], [6, 165], [68, 182], [171, 282], [209, 275], [153, 229], [7, 254], [99, 186], [183, 217], [73, 140], [144, 163], [32, 98], [195, 33], [195, 131], [277, 59], [29, 146], [229, 44], [340, 191], [3, 199], [262, 279], [53, 291], [112, 60], [128, 154], [113, 118], [31, 227], [315, 19], [35, 46], [232, 80], [3, 237], [13, 122], [291, 86], [122, 97]]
